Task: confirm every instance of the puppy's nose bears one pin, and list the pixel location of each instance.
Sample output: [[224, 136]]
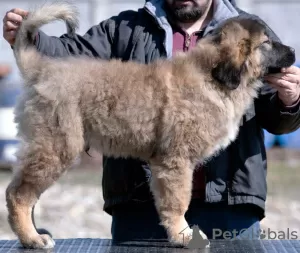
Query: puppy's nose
[[292, 49]]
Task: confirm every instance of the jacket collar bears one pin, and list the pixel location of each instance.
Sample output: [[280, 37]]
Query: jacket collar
[[223, 9]]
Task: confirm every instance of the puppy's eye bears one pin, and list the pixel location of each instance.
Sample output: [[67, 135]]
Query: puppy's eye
[[267, 42]]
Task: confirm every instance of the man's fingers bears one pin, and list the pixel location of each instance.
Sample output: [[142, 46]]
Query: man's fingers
[[20, 12], [291, 70], [293, 78], [278, 82], [13, 17], [8, 25]]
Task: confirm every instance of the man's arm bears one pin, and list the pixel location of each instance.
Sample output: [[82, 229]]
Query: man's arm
[[99, 41], [273, 116], [96, 42]]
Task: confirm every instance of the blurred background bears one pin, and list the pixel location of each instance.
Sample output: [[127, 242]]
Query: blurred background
[[68, 216]]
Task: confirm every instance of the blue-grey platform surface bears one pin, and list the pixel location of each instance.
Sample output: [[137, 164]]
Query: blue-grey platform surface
[[104, 246]]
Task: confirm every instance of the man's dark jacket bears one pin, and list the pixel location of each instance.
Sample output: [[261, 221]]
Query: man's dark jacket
[[238, 174]]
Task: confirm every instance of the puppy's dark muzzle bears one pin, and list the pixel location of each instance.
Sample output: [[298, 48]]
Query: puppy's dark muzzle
[[285, 57], [291, 56]]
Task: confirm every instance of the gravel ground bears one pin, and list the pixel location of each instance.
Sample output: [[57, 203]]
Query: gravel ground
[[67, 216]]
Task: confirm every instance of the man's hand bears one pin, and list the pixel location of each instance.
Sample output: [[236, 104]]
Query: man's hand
[[287, 83], [11, 24]]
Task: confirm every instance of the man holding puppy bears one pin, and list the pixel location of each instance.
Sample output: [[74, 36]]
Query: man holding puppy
[[230, 191]]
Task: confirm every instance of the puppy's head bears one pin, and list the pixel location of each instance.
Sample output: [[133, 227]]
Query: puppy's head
[[246, 51]]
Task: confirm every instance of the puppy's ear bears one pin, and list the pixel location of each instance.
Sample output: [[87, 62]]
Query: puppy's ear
[[229, 69], [227, 74]]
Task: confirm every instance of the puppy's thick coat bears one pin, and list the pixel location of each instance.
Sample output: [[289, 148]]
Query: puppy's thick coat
[[172, 114]]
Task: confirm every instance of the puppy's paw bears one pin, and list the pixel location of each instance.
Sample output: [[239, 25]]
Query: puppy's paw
[[39, 242]]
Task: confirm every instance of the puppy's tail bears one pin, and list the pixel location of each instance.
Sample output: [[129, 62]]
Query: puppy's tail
[[27, 57]]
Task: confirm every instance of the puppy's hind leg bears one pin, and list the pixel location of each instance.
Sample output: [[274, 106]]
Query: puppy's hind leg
[[41, 161], [171, 186]]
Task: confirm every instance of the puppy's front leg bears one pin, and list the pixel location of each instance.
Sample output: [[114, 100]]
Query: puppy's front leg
[[171, 186]]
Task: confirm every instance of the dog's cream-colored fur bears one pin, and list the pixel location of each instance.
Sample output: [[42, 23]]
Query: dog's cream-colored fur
[[172, 114]]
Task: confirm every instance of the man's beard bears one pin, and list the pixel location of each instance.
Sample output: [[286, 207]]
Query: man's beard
[[186, 14]]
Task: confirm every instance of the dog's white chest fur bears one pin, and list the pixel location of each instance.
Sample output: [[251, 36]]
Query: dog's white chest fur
[[232, 131]]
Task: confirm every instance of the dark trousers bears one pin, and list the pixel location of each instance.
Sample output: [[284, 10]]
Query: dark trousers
[[217, 221]]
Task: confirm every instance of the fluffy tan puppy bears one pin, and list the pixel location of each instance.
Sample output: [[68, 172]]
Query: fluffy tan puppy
[[172, 114]]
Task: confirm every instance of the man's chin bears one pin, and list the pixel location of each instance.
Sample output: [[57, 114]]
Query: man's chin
[[184, 11]]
